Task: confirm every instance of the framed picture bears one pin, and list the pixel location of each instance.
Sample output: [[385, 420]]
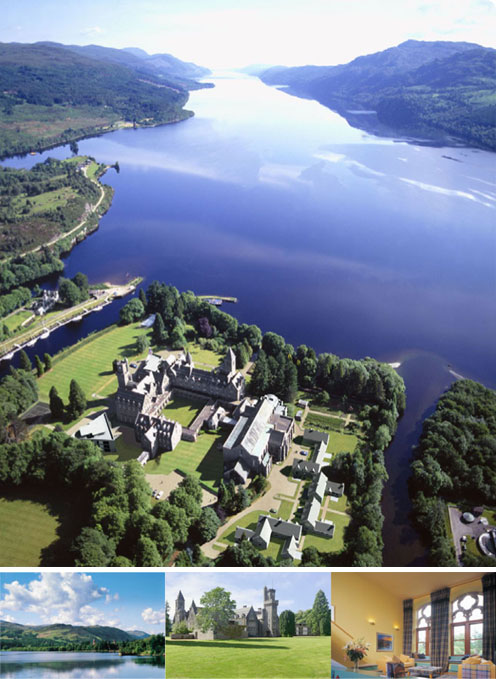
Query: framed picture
[[384, 642], [332, 612]]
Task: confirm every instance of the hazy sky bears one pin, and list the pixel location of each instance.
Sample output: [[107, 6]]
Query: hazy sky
[[124, 600], [295, 591], [240, 32]]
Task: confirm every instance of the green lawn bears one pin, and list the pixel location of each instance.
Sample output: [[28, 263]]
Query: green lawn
[[91, 363], [31, 530], [202, 459], [13, 322], [340, 505], [182, 410], [285, 509], [341, 443], [205, 356], [277, 658]]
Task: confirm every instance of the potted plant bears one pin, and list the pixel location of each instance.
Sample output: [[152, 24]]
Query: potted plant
[[356, 650]]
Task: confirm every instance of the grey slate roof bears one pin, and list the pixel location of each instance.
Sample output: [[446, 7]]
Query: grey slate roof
[[98, 429], [334, 488], [314, 436]]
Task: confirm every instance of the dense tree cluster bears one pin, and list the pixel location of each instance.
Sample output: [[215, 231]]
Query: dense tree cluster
[[34, 265], [13, 300], [18, 390], [120, 528], [455, 461], [73, 291], [132, 311], [317, 618]]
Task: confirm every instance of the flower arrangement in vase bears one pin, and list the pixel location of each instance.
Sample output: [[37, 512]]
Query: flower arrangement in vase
[[356, 650]]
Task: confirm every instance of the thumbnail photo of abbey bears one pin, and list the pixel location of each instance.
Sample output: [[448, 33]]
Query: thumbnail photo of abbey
[[244, 628], [431, 624]]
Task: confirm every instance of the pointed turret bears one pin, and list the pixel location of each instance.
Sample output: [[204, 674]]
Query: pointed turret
[[228, 365]]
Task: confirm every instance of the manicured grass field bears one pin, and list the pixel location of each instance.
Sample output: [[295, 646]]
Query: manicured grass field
[[341, 443], [322, 421], [91, 363], [26, 527], [202, 459], [182, 410], [276, 658], [340, 505]]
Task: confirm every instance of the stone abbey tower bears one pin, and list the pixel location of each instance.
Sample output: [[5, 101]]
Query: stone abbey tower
[[270, 611]]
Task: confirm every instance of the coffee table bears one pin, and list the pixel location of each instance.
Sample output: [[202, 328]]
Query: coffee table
[[424, 671]]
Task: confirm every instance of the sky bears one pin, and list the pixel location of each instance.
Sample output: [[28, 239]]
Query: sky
[[124, 600], [294, 591], [235, 33]]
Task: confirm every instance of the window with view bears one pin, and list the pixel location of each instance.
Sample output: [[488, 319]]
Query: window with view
[[423, 629], [467, 624]]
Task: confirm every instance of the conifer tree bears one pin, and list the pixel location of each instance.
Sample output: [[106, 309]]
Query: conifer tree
[[56, 404], [24, 362], [39, 366], [77, 400], [47, 360]]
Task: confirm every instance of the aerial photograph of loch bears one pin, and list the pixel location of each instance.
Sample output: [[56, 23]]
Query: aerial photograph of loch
[[82, 625], [248, 283]]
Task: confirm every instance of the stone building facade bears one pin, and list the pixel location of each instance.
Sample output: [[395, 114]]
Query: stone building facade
[[261, 622], [143, 393]]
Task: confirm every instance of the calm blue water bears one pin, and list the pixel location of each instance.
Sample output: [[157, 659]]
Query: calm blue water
[[47, 665], [350, 243]]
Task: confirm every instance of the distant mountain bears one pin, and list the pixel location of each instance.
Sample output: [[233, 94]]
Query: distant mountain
[[164, 67], [28, 634], [139, 634], [50, 94], [417, 87]]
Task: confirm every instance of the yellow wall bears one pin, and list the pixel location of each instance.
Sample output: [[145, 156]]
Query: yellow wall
[[356, 600]]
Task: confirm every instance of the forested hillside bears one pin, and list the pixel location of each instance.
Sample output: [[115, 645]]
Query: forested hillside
[[50, 95], [417, 87]]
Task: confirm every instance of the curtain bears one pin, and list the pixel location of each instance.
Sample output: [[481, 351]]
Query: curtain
[[440, 628], [489, 617], [407, 626]]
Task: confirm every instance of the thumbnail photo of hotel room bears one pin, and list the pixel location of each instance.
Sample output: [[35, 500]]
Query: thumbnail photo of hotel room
[[426, 624]]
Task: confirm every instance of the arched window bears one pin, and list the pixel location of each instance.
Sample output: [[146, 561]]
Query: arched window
[[423, 629], [466, 624]]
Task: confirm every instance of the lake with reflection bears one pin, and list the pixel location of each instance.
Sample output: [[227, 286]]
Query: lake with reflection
[[350, 243], [48, 665]]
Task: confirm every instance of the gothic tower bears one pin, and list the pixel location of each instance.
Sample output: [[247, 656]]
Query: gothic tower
[[180, 612], [270, 611]]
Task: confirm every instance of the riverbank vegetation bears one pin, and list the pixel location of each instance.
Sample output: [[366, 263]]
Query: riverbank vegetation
[[455, 461]]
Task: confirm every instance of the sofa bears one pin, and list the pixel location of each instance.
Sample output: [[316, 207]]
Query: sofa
[[476, 667], [403, 659]]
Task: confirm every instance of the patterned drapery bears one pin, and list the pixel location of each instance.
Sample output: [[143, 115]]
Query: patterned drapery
[[440, 628], [489, 617], [407, 626]]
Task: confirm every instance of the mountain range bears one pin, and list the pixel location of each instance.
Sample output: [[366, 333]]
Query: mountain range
[[24, 635], [52, 94], [438, 89]]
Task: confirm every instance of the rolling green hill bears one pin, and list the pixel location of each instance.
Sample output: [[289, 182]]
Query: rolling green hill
[[50, 95], [13, 635], [426, 88]]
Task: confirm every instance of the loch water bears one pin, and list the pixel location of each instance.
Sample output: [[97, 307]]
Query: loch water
[[73, 665], [351, 243]]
